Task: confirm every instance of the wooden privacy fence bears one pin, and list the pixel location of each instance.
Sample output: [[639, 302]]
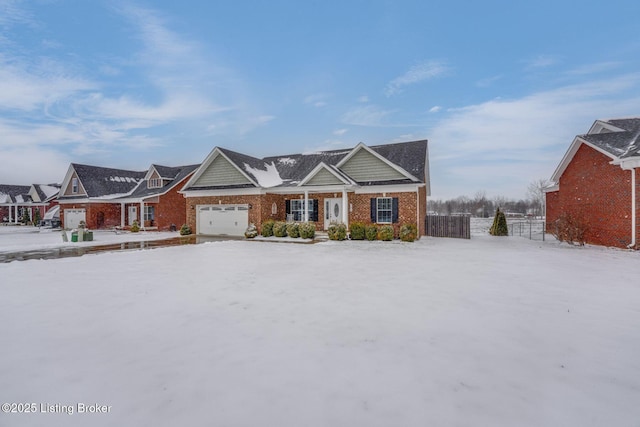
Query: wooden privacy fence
[[458, 226]]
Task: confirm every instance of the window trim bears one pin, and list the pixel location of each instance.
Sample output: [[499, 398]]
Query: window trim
[[154, 183], [75, 187], [384, 210], [149, 213], [300, 210]]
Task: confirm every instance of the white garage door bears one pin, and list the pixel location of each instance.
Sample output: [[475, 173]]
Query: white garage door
[[231, 220], [72, 217]]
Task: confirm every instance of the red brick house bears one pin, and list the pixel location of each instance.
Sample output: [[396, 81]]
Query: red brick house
[[106, 197], [384, 184], [16, 201], [598, 182]]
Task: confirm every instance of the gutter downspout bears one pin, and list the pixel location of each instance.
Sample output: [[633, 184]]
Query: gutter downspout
[[633, 209]]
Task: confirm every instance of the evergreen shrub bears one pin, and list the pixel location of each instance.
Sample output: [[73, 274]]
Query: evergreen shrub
[[185, 230], [499, 227], [371, 232], [357, 231], [337, 232], [135, 227], [385, 233], [307, 230], [280, 229], [267, 228], [408, 232], [293, 230]]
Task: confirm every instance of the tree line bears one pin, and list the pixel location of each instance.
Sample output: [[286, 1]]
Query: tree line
[[484, 207]]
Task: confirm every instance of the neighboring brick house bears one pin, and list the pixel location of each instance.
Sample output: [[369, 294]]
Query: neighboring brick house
[[106, 197], [598, 182], [16, 201], [384, 184]]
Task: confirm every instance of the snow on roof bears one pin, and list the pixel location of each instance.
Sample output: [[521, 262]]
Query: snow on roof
[[49, 190], [19, 198], [287, 161], [54, 212], [122, 179], [266, 178]]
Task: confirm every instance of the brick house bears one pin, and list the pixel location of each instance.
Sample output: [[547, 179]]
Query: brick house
[[106, 197], [384, 184], [597, 181], [19, 200]]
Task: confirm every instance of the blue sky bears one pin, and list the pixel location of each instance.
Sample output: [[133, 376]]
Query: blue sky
[[500, 88]]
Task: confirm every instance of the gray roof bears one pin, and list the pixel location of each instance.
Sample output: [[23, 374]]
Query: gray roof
[[621, 144], [175, 174], [98, 181], [293, 168], [43, 196], [14, 191]]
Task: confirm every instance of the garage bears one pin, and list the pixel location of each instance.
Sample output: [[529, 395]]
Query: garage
[[72, 217], [231, 220]]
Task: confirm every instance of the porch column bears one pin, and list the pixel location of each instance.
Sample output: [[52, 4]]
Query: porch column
[[345, 208], [16, 217], [306, 205], [122, 215], [142, 214], [10, 215]]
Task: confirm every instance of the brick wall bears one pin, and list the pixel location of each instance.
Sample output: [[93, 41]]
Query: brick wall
[[552, 206], [598, 192], [98, 215], [407, 209], [171, 210]]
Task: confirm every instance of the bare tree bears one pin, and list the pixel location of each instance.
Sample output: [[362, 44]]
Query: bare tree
[[535, 193]]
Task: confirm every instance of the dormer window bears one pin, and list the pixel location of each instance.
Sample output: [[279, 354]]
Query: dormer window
[[155, 183], [74, 185]]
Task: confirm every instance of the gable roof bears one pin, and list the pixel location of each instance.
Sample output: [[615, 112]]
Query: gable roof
[[14, 193], [622, 143], [408, 158], [100, 182], [618, 139], [45, 192], [175, 174]]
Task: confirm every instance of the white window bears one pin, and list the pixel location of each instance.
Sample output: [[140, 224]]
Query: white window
[[74, 185], [384, 210], [149, 213], [297, 209], [154, 183]]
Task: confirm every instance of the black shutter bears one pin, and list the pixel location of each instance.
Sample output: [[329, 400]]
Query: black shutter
[[314, 214], [394, 210], [287, 207], [374, 211]]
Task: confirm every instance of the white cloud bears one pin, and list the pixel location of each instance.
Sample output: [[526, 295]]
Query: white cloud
[[368, 115], [488, 81], [363, 99], [339, 132], [37, 166], [542, 61], [594, 68], [416, 74], [435, 109], [530, 134], [317, 100]]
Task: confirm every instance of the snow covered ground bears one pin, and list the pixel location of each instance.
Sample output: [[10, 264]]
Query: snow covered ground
[[23, 238], [441, 332]]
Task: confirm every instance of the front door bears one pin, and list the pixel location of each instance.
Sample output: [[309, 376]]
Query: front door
[[332, 211], [133, 214]]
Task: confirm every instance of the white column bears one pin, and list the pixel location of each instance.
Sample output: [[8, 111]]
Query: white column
[[345, 208], [306, 205], [122, 215], [10, 215], [142, 215], [16, 217]]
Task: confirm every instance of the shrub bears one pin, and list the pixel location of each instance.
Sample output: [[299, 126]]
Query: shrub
[[499, 227], [408, 232], [293, 230], [267, 228], [307, 230], [135, 227], [185, 230], [371, 232], [280, 229], [337, 232], [386, 233], [571, 228], [357, 231], [251, 231]]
